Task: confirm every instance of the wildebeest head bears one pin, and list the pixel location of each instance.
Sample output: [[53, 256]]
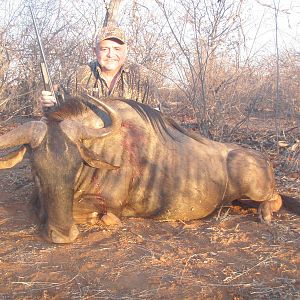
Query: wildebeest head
[[56, 154]]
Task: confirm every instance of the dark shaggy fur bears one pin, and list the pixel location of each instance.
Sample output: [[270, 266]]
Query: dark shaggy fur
[[74, 107]]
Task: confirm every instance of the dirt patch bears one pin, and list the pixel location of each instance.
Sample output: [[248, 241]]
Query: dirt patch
[[229, 255]]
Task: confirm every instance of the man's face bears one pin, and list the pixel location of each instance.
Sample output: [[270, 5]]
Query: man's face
[[111, 55]]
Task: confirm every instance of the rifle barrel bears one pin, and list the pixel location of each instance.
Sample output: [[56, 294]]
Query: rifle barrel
[[47, 81]]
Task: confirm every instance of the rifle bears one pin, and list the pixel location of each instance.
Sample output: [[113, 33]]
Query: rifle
[[44, 68]]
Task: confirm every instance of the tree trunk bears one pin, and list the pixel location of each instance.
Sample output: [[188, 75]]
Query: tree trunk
[[112, 12]]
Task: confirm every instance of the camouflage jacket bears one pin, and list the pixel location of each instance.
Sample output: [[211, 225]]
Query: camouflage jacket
[[133, 83]]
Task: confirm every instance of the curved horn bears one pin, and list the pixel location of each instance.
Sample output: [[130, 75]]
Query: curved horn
[[31, 133], [12, 158], [76, 131], [115, 117]]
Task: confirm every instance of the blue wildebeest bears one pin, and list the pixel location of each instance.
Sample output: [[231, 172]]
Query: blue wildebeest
[[123, 158]]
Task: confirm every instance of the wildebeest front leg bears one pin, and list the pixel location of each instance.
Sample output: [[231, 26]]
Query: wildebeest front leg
[[110, 219], [267, 208], [91, 208]]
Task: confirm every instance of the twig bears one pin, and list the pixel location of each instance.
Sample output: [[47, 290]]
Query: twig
[[185, 266], [15, 113], [4, 221], [218, 218], [227, 280], [54, 284]]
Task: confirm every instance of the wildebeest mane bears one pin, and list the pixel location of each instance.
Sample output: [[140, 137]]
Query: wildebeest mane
[[162, 124], [68, 109], [73, 107]]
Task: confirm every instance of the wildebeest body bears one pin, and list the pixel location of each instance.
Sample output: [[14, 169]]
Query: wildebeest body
[[159, 174], [146, 167]]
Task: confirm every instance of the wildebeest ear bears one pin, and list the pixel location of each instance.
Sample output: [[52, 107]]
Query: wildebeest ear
[[11, 159], [93, 160]]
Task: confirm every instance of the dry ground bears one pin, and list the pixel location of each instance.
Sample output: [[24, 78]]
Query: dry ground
[[229, 255]]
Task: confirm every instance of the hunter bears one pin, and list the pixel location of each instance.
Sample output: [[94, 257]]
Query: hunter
[[110, 74]]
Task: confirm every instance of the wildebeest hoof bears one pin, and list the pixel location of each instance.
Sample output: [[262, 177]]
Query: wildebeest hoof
[[265, 219], [110, 219], [58, 238], [265, 214], [93, 218]]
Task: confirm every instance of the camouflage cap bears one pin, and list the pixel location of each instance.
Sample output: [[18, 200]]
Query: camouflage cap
[[111, 32]]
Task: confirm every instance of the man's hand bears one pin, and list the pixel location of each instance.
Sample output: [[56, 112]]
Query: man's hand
[[47, 99]]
